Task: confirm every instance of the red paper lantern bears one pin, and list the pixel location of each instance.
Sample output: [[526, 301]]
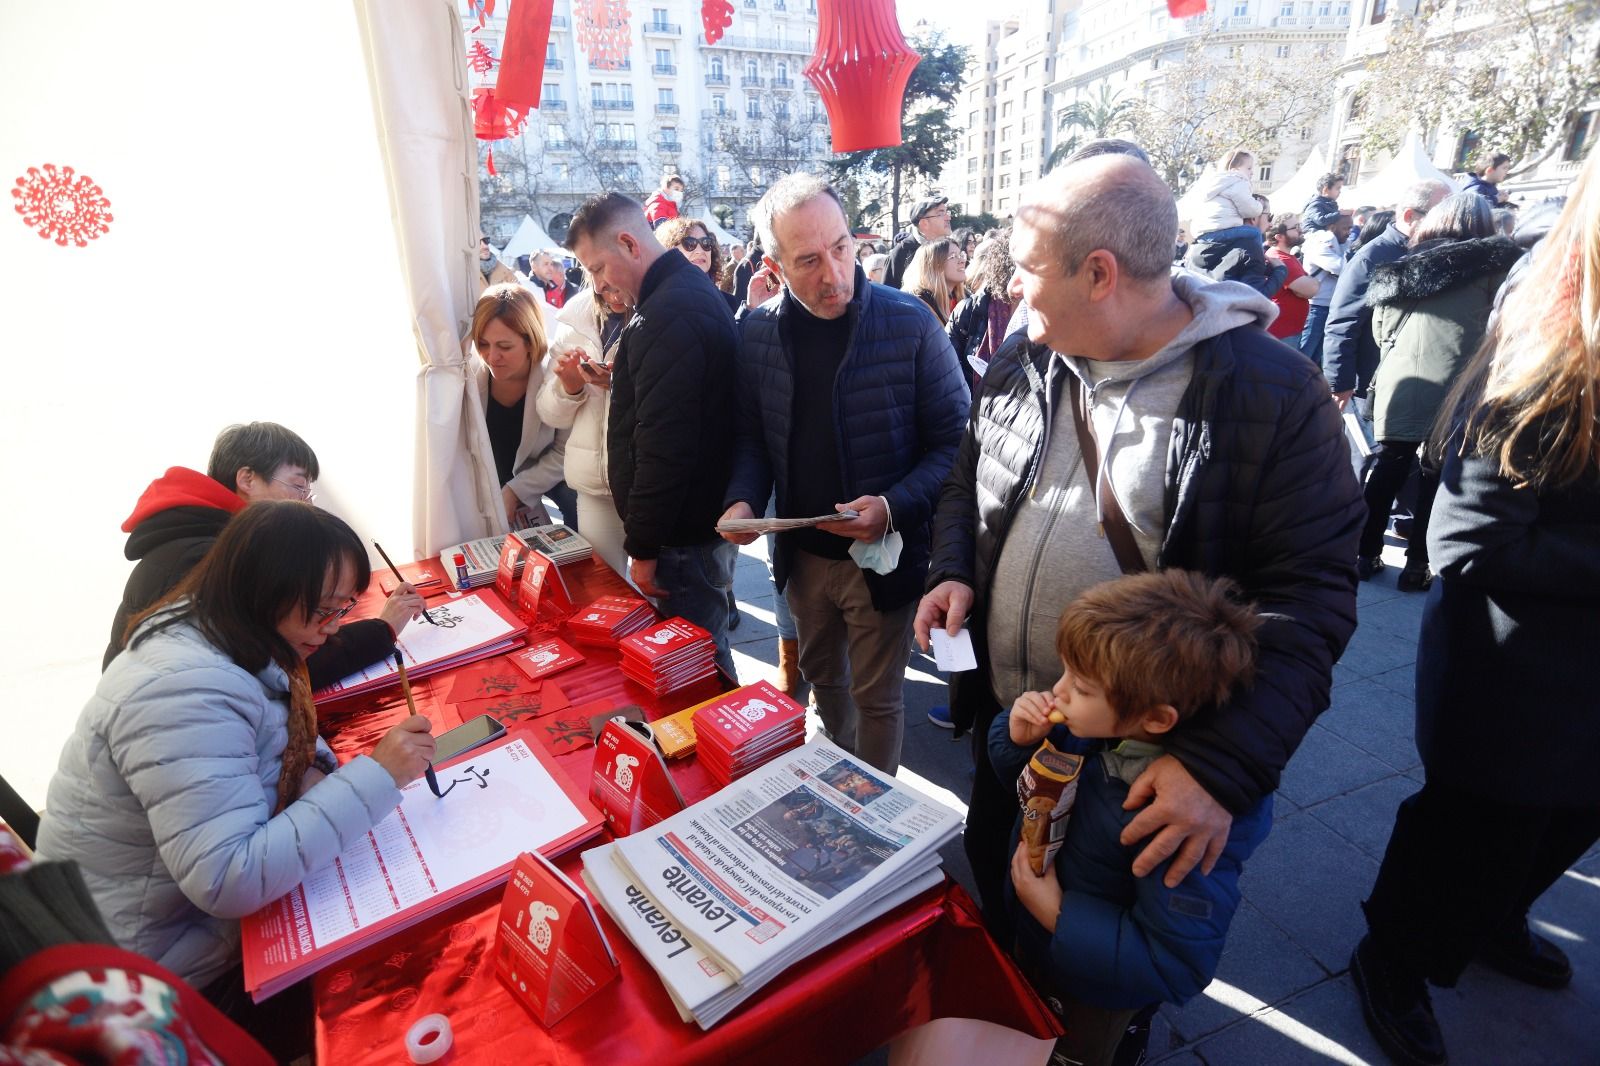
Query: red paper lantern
[[715, 16], [860, 68], [1182, 9]]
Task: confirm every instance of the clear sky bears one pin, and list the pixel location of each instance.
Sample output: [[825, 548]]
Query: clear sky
[[962, 20]]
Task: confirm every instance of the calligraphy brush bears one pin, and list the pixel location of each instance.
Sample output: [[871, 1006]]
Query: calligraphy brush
[[411, 704], [398, 577]]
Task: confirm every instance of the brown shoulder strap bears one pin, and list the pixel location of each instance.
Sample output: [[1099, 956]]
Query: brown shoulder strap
[[1113, 524]]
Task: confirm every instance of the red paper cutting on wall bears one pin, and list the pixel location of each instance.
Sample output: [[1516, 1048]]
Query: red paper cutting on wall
[[62, 205], [715, 16], [480, 59], [860, 68]]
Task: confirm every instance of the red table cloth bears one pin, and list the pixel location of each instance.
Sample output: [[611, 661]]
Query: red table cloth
[[930, 958]]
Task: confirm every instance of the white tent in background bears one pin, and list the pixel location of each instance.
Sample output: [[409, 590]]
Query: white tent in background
[[724, 238], [1298, 189], [529, 238], [1409, 166]]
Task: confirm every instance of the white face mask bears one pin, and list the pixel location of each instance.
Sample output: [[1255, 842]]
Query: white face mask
[[675, 195]]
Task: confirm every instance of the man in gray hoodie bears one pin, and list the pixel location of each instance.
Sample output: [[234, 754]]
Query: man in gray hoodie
[[1223, 450]]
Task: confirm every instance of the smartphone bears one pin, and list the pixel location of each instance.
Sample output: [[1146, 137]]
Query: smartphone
[[464, 738], [592, 369]]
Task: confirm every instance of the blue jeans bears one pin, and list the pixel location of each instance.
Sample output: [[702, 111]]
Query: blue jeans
[[696, 581], [566, 498], [780, 601], [1311, 336]]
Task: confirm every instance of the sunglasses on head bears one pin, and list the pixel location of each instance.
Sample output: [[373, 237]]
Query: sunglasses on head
[[707, 243]]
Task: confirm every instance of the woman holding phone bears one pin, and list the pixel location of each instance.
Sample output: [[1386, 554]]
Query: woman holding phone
[[194, 789], [508, 333], [575, 399]]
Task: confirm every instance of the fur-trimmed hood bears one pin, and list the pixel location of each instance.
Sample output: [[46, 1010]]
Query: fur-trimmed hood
[[1438, 266]]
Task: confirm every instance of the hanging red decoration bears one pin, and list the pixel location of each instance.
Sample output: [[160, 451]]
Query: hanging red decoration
[[483, 9], [715, 16], [603, 31], [860, 68], [480, 59], [522, 55], [493, 120], [1183, 9], [62, 205]]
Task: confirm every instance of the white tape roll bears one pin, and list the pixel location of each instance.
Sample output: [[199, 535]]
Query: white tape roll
[[429, 1039]]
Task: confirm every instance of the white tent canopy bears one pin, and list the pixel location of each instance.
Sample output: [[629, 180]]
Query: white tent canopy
[[529, 238], [1298, 189], [723, 236], [1190, 203], [1409, 166]]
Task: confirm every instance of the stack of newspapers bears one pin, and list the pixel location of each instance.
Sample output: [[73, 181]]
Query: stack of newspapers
[[724, 896]]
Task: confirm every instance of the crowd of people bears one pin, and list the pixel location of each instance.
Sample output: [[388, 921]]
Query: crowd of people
[[1130, 482]]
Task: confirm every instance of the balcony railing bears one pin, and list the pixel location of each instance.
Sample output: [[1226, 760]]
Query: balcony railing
[[666, 69], [752, 81], [671, 146], [669, 28], [783, 83], [620, 144], [716, 79], [612, 105], [552, 63], [627, 64], [552, 104], [558, 22], [762, 44], [666, 109]]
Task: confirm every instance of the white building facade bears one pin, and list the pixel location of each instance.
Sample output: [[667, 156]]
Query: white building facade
[[728, 117]]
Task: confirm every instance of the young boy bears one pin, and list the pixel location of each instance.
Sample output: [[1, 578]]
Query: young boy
[[1141, 655]]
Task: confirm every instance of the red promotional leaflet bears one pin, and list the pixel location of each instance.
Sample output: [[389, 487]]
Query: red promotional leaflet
[[546, 657], [609, 619], [743, 729], [477, 625], [427, 576], [505, 577], [668, 655], [427, 854], [550, 952], [631, 785], [541, 585], [490, 679]]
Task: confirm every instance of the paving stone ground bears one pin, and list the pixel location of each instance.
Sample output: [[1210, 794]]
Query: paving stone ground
[[1282, 995]]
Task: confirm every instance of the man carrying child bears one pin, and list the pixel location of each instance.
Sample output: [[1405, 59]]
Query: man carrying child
[[1142, 410]]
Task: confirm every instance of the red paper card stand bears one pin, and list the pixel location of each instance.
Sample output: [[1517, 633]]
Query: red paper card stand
[[631, 786], [505, 578], [551, 954], [541, 584]]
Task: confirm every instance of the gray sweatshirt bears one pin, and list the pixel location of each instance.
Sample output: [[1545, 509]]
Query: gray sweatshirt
[[1054, 549]]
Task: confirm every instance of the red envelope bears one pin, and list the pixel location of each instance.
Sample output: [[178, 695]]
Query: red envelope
[[546, 699], [493, 678], [545, 657]]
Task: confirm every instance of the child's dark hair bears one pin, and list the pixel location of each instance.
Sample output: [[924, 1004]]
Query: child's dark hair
[[1174, 636]]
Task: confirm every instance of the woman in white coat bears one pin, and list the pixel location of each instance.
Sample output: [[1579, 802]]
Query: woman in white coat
[[576, 396], [508, 333], [194, 789]]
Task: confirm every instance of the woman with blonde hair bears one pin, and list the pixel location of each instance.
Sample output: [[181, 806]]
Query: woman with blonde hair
[[1508, 727], [508, 334], [978, 323], [937, 275]]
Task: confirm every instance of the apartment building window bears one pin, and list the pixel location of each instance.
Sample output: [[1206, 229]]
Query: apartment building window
[[1380, 11], [1006, 86], [783, 72], [1349, 163], [752, 107], [1003, 204], [1005, 109], [1241, 8], [1585, 127], [1005, 134], [1028, 148], [972, 143], [1286, 9], [1325, 8], [719, 105], [1342, 9], [663, 57], [1264, 172], [781, 109], [1027, 125], [1027, 71], [716, 68], [1027, 98], [1282, 51], [972, 188], [751, 70], [556, 136], [552, 92], [724, 176], [1005, 158], [1005, 181], [664, 98], [669, 136]]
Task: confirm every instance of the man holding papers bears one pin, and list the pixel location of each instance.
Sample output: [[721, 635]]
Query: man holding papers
[[850, 398]]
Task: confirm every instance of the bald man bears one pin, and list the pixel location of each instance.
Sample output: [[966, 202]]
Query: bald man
[[1222, 452]]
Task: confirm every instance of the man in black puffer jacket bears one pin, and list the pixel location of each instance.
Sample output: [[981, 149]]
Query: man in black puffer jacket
[[1226, 455], [670, 430]]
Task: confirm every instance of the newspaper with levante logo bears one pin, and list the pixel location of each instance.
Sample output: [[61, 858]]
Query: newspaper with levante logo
[[771, 867]]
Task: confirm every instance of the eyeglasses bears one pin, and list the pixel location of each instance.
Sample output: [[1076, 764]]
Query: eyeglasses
[[302, 491], [692, 243], [323, 615]]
